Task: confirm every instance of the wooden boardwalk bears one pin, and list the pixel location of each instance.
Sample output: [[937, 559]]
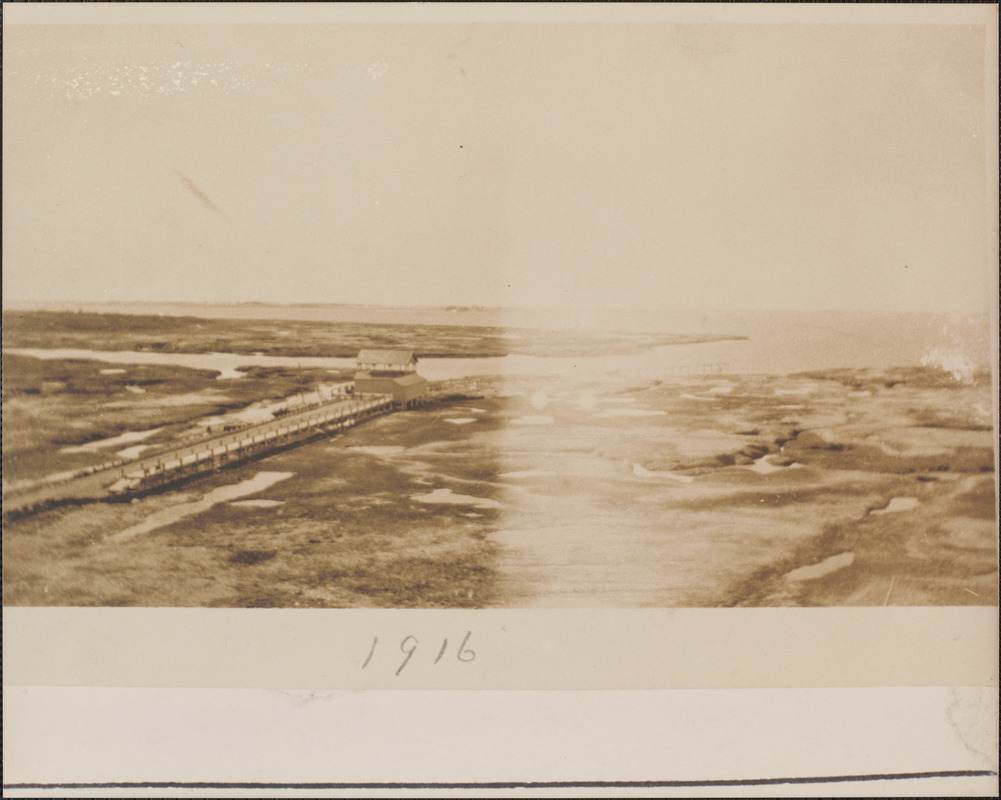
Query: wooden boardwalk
[[199, 457]]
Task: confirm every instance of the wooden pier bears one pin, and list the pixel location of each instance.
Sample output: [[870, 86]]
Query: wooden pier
[[123, 479]]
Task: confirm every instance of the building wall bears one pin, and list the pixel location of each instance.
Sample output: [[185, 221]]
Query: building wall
[[402, 393]]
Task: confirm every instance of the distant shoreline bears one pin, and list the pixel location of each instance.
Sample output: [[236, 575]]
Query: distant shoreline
[[304, 338], [776, 343], [28, 304], [713, 324]]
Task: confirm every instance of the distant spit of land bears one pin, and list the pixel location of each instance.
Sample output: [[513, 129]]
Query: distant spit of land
[[311, 338]]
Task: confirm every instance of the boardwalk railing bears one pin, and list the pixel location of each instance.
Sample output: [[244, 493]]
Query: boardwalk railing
[[206, 455], [213, 454]]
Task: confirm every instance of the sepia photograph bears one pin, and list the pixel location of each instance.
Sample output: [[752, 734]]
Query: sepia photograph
[[434, 313], [445, 316]]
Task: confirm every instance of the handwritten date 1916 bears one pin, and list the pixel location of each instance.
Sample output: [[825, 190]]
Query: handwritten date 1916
[[408, 646]]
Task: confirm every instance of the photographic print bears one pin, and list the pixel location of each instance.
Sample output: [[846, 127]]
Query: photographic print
[[497, 315], [548, 348]]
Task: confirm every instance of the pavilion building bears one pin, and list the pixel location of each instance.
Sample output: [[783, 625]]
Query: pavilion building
[[391, 372]]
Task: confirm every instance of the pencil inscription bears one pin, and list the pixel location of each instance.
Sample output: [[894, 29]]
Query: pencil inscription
[[409, 644]]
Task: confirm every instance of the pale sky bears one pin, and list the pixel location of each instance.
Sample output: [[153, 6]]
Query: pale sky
[[674, 166]]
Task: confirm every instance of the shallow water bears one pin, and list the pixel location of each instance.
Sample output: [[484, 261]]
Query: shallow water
[[114, 441], [130, 453], [630, 412], [224, 363], [257, 503], [447, 497], [825, 567], [168, 516], [776, 344], [642, 472], [897, 504], [763, 466]]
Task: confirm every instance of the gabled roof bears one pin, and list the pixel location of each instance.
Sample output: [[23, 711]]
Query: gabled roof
[[387, 357]]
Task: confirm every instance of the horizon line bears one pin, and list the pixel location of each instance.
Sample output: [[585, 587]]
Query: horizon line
[[457, 307]]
